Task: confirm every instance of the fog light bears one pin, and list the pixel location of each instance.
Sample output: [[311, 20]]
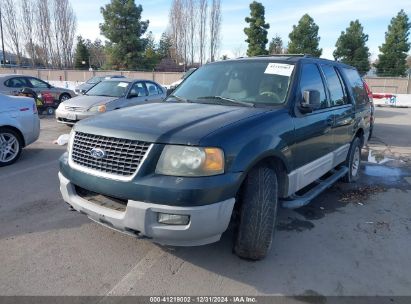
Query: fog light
[[173, 219]]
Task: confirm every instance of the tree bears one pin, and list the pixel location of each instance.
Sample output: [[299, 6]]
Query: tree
[[215, 25], [202, 39], [392, 60], [82, 55], [351, 47], [304, 37], [10, 16], [276, 46], [27, 14], [123, 27], [257, 30], [165, 45], [97, 53]]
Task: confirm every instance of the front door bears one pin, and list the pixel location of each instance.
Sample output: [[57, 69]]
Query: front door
[[313, 131]]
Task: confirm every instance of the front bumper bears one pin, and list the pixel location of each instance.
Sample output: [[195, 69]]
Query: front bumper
[[71, 117], [206, 225]]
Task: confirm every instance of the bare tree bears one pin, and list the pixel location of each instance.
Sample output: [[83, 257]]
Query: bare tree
[[27, 17], [192, 27], [203, 28], [215, 24], [64, 29], [10, 17], [178, 27]]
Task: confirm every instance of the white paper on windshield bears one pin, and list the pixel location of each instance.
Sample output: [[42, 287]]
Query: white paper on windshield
[[123, 84], [282, 69]]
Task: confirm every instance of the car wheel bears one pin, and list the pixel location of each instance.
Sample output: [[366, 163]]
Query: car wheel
[[10, 146], [258, 213], [50, 111], [353, 161], [64, 97]]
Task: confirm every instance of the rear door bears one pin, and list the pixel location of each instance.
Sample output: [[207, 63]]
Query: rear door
[[137, 94], [14, 85], [343, 110], [155, 93], [313, 131]]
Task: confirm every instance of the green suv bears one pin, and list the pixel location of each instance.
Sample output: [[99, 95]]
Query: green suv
[[234, 141]]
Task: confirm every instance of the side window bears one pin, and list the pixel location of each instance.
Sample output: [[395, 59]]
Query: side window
[[311, 81], [335, 86], [357, 86], [37, 83], [138, 90], [152, 89], [17, 82]]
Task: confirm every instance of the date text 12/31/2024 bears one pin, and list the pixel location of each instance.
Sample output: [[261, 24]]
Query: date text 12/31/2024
[[203, 299]]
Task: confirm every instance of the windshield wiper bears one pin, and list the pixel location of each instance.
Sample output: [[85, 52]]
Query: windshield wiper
[[178, 98], [244, 103]]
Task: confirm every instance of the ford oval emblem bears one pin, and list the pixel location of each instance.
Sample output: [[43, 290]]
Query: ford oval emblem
[[98, 153]]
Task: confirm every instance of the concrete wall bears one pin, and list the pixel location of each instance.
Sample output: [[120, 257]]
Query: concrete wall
[[164, 78], [392, 85]]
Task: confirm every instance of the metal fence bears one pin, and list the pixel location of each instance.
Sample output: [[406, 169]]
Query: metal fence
[[164, 78]]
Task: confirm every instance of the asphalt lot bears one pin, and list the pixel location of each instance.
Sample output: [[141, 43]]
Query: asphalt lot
[[352, 240]]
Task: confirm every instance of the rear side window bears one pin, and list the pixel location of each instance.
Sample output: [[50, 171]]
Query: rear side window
[[335, 85], [15, 83], [311, 80], [152, 89], [357, 86]]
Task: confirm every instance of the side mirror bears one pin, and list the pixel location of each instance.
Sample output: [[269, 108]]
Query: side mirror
[[132, 95], [311, 101]]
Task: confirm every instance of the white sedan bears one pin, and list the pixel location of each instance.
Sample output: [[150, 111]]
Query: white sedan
[[19, 126]]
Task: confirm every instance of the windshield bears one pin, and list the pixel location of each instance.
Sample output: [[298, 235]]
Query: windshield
[[109, 88], [255, 82], [95, 80]]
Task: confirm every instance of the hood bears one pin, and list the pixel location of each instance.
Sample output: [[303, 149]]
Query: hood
[[178, 123], [86, 101]]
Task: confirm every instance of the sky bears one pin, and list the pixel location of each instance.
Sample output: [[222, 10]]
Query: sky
[[332, 17]]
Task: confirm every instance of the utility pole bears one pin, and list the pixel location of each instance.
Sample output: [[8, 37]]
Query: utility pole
[[2, 39]]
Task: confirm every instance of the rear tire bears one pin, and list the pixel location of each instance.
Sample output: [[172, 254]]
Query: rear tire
[[258, 213], [353, 162], [11, 145]]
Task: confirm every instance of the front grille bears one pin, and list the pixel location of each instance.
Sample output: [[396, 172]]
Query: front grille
[[75, 109], [122, 156]]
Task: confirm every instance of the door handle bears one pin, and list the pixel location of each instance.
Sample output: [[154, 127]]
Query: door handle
[[330, 121]]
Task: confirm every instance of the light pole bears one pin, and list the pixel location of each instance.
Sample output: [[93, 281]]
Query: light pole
[[2, 38]]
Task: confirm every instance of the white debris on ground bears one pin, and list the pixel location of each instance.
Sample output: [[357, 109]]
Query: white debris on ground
[[62, 140]]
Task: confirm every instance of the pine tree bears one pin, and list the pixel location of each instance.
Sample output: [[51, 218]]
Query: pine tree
[[81, 55], [257, 30], [392, 60], [351, 47], [276, 46], [123, 27], [165, 45], [304, 37]]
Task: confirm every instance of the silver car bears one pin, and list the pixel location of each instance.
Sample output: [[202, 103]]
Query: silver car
[[19, 126], [11, 84], [109, 95]]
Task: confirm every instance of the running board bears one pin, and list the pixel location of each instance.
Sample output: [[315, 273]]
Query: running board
[[297, 201]]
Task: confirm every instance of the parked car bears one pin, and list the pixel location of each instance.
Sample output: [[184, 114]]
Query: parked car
[[233, 141], [370, 97], [84, 87], [108, 95], [11, 84], [19, 126], [175, 84]]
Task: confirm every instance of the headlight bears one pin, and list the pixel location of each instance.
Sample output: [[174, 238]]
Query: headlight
[[190, 161], [99, 108], [70, 141]]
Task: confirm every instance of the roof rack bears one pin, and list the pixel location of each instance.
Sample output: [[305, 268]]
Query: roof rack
[[285, 55]]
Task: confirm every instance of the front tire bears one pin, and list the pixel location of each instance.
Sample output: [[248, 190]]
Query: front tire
[[353, 161], [258, 213], [10, 146], [64, 97]]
